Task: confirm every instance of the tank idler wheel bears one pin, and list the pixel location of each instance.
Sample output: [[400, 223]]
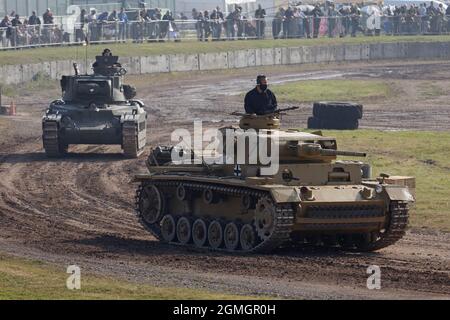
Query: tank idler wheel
[[210, 197], [264, 218], [182, 192], [231, 236], [215, 234], [151, 204], [184, 231], [168, 228], [247, 237], [199, 233]]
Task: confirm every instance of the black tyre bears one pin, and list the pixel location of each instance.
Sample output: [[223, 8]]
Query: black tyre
[[314, 123], [337, 110], [339, 124]]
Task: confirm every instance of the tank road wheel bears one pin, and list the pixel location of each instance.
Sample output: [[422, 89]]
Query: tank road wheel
[[51, 140], [247, 237], [264, 218], [394, 231], [231, 236], [151, 204], [130, 140], [184, 231], [168, 228], [215, 234], [199, 233]]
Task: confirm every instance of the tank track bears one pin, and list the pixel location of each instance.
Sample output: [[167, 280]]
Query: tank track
[[51, 141], [130, 140], [283, 220], [395, 230]]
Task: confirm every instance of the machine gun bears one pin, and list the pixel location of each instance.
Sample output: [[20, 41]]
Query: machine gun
[[274, 113]]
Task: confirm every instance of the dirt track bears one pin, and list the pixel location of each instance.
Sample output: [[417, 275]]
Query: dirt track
[[79, 210]]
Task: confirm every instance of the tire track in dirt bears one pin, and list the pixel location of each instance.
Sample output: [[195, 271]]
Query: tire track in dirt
[[81, 209]]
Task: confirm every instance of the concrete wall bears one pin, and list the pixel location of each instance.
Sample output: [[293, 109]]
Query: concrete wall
[[242, 59]]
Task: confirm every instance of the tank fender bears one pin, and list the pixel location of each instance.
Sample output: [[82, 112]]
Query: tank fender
[[398, 193], [285, 194], [52, 117], [139, 102]]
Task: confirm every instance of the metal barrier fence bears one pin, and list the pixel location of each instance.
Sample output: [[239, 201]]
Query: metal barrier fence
[[163, 30]]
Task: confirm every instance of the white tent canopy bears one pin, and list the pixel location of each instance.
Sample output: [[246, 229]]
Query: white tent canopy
[[227, 2], [410, 2]]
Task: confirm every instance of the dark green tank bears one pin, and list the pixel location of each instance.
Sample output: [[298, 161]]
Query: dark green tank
[[96, 109]]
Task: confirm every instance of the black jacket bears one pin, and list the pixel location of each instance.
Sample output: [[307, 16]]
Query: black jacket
[[260, 103]]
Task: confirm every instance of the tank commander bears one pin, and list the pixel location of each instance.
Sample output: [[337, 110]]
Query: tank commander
[[260, 100]]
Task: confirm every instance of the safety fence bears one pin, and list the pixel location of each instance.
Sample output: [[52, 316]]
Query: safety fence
[[23, 36]]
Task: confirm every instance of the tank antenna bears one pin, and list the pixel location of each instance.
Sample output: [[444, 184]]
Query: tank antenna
[[86, 42]]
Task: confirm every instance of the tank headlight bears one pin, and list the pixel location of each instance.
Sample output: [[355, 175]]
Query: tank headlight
[[379, 188]]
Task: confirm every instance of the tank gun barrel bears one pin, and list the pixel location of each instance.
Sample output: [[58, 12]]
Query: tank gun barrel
[[278, 111], [315, 149], [331, 152]]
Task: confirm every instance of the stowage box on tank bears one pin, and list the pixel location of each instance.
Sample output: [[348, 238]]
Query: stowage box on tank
[[96, 109], [312, 198]]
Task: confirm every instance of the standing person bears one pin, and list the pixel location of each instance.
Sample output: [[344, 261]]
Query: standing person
[[239, 22], [194, 14], [317, 14], [355, 16], [165, 24], [48, 16], [287, 23], [260, 100], [15, 24], [260, 16], [231, 32], [34, 20], [332, 20], [79, 26], [47, 19], [216, 20], [92, 25], [277, 22], [123, 22], [307, 23], [207, 25], [200, 27], [6, 24]]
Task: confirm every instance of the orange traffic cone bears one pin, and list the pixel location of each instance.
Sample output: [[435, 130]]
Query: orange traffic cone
[[12, 108]]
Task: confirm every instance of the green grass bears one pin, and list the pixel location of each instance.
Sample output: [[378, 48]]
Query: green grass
[[25, 279], [431, 90], [26, 56], [38, 83], [424, 155], [347, 90]]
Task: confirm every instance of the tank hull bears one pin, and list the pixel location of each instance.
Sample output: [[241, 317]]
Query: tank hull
[[330, 212], [123, 125]]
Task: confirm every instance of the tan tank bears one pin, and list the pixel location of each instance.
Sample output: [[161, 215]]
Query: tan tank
[[312, 197]]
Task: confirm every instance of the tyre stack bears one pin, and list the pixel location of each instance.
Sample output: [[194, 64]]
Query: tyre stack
[[335, 116]]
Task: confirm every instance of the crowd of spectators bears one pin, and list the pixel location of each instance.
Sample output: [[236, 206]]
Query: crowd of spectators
[[30, 30], [299, 21]]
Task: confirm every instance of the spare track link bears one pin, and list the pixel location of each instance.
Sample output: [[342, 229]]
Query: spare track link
[[284, 215], [130, 140], [50, 139]]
